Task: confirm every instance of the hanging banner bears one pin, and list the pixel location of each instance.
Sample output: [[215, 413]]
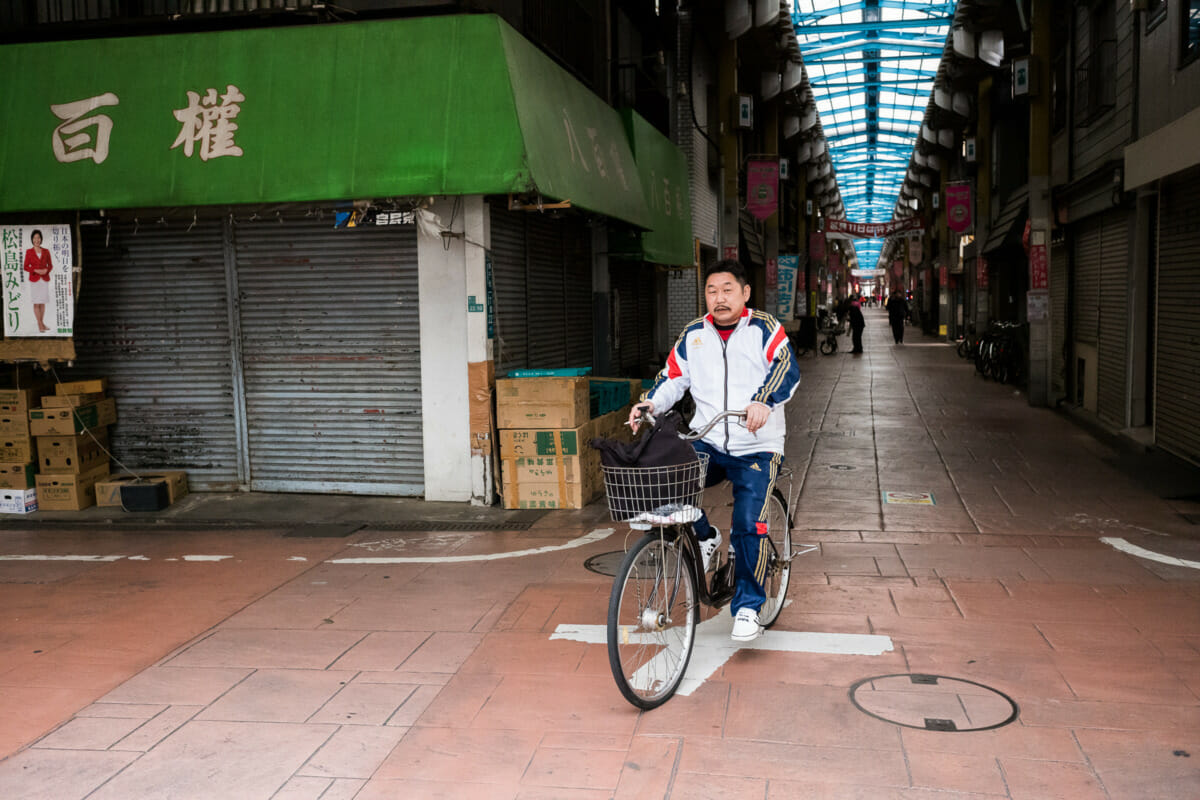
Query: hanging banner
[[958, 206], [37, 261], [762, 186], [816, 246], [835, 262], [844, 229], [785, 288]]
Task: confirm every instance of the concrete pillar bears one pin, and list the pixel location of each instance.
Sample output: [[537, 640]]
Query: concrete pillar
[[983, 198], [1037, 299], [456, 353]]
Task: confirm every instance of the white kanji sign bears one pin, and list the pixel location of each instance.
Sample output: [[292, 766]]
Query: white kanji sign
[[208, 122], [72, 141]]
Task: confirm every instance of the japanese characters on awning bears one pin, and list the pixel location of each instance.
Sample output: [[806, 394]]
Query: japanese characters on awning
[[844, 229], [663, 170], [445, 105]]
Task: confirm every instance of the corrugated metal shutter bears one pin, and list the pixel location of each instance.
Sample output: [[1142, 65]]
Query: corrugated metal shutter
[[547, 306], [508, 277], [1058, 319], [1177, 377], [331, 356], [153, 318], [1085, 290], [1114, 319], [577, 269]]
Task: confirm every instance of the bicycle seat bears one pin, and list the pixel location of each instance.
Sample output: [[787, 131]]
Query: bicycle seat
[[672, 514]]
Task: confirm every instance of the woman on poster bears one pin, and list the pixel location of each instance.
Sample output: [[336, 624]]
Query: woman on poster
[[38, 265]]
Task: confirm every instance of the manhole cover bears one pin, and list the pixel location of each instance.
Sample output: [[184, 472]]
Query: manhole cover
[[829, 434], [933, 702], [606, 563], [841, 466]]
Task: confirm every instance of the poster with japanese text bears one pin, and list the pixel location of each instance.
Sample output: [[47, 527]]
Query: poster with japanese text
[[36, 267]]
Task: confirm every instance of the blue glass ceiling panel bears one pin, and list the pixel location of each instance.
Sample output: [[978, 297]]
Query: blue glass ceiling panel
[[871, 65]]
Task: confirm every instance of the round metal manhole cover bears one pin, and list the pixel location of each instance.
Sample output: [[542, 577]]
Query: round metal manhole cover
[[841, 466], [606, 563], [933, 702]]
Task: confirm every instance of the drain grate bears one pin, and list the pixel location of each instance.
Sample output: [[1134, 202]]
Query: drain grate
[[842, 467], [829, 434], [439, 525], [933, 702]]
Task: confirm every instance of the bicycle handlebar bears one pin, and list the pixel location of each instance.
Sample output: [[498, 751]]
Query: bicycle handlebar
[[712, 423]]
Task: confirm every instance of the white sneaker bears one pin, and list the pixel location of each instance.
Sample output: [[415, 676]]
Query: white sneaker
[[709, 546], [745, 626]]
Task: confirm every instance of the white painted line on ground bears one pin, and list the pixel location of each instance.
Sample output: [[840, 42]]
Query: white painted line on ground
[[206, 558], [61, 558], [1141, 552], [714, 647], [594, 536]]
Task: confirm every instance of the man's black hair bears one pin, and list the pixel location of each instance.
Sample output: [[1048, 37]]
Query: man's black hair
[[732, 266]]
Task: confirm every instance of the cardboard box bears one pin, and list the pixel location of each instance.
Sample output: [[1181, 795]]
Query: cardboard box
[[551, 481], [542, 402], [82, 387], [542, 496], [17, 475], [68, 421], [19, 501], [562, 441], [17, 448], [14, 423], [19, 401], [108, 490], [71, 400], [63, 492], [81, 453]]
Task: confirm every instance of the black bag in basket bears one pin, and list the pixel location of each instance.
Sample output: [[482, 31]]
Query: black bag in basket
[[658, 446]]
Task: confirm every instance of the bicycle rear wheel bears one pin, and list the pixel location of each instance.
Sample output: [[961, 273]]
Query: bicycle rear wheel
[[779, 567], [652, 619]]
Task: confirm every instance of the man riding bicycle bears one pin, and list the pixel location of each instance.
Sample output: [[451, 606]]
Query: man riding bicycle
[[734, 358]]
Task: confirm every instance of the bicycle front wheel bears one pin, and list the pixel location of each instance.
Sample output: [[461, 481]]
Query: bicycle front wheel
[[652, 619], [828, 347], [779, 564]]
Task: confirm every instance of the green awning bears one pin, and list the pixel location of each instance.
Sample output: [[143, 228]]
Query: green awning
[[445, 105], [664, 174]]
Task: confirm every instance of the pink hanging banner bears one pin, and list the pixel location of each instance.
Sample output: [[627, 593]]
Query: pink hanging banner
[[816, 246], [1039, 277], [958, 206], [762, 187]]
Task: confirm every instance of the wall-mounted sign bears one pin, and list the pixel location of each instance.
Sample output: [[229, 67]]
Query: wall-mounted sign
[[762, 187], [744, 117], [958, 206]]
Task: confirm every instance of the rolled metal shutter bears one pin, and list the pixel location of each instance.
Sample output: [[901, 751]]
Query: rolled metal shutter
[[577, 269], [1177, 360], [1114, 319], [330, 334], [1058, 320], [547, 298], [153, 319], [508, 278], [1085, 290]]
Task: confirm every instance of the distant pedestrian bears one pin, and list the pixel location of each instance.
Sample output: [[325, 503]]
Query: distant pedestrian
[[897, 308], [857, 323]]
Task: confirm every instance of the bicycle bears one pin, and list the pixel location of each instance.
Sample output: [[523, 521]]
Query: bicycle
[[653, 610], [829, 344]]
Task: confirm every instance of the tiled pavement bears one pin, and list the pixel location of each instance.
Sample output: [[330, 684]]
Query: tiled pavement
[[284, 672]]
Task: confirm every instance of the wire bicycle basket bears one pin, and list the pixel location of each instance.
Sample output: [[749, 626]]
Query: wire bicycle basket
[[638, 490]]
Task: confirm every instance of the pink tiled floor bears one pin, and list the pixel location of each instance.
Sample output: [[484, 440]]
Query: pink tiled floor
[[279, 674]]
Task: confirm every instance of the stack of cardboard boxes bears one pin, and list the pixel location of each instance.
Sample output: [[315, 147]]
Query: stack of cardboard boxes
[[545, 426], [18, 455], [71, 431]]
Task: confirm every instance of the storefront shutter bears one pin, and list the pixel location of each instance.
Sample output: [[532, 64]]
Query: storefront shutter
[[510, 287], [1177, 363], [1058, 319], [577, 268], [330, 345], [1085, 289], [547, 297], [1114, 318], [152, 318]]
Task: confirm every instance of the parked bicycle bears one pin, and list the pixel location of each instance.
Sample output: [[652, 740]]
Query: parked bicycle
[[653, 610], [1000, 355], [828, 336]]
